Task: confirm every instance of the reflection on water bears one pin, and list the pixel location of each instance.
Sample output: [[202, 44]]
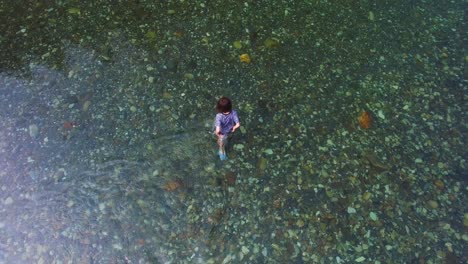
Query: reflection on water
[[351, 146]]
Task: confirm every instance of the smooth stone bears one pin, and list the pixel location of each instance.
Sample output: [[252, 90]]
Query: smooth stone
[[268, 151], [245, 250], [433, 204], [360, 259], [300, 223], [351, 210], [33, 130], [237, 44], [238, 147], [373, 216], [8, 201], [366, 196], [86, 106]]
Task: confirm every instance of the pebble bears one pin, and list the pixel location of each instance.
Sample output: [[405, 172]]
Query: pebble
[[360, 259], [300, 223], [244, 58], [268, 151], [245, 250], [33, 130], [366, 196], [133, 108], [439, 184], [167, 95], [86, 106], [351, 210], [271, 43], [433, 204], [237, 44], [8, 201], [465, 220], [381, 114], [373, 216], [238, 147], [117, 246]]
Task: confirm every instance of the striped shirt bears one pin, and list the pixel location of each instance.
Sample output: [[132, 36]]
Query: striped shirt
[[226, 121]]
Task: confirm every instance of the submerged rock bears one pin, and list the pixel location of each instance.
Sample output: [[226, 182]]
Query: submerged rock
[[33, 130]]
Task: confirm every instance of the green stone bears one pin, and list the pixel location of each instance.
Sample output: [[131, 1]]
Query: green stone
[[237, 44], [271, 43], [300, 223], [433, 204], [373, 216], [74, 10], [151, 35]]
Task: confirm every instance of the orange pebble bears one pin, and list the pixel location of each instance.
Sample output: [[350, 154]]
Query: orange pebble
[[439, 184], [173, 185], [365, 120]]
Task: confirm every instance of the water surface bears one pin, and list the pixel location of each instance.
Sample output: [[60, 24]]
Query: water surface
[[106, 111]]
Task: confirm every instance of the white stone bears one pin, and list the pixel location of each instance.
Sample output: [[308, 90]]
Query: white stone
[[268, 151], [227, 259], [117, 246], [8, 201], [245, 250], [360, 259], [33, 130], [381, 114], [238, 146]]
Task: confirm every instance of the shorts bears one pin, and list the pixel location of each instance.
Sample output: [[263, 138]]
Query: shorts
[[225, 138]]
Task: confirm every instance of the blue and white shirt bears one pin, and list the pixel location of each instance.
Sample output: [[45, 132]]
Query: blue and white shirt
[[226, 121]]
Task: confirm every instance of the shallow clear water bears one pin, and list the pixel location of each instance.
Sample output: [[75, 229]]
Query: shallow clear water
[[106, 111]]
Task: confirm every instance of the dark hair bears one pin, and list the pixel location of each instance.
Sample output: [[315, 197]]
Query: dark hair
[[224, 105]]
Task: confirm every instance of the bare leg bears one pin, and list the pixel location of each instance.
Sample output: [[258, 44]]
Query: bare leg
[[221, 144]]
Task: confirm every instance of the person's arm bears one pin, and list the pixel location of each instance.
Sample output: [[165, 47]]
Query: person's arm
[[236, 126], [236, 120], [218, 125]]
